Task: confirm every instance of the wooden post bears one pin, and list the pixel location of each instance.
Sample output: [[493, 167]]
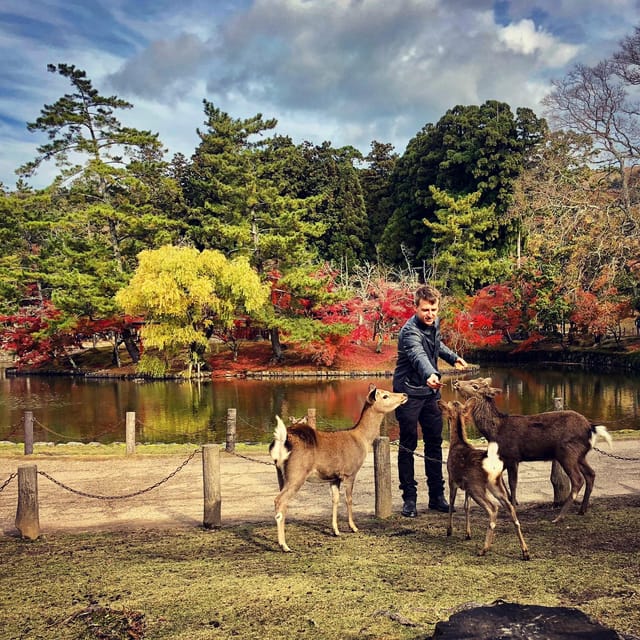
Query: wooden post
[[28, 432], [231, 430], [27, 514], [211, 486], [311, 418], [130, 426], [559, 479], [382, 475]]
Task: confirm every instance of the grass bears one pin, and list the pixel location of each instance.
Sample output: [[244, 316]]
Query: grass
[[394, 580]]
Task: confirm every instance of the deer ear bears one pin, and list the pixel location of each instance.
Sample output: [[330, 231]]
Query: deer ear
[[371, 398]]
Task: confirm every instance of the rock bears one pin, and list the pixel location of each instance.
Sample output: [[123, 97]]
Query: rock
[[511, 621]]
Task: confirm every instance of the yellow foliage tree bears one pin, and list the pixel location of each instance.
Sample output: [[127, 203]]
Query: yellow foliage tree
[[186, 295]]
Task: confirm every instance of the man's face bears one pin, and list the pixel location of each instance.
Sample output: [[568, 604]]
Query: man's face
[[427, 312]]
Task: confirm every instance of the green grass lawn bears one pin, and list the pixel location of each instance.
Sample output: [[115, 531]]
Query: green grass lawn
[[393, 580]]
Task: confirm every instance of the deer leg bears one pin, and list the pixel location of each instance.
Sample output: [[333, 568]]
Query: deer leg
[[499, 490], [280, 478], [281, 503], [335, 499], [467, 517], [589, 478], [492, 512], [571, 468], [453, 490], [512, 472], [348, 496]]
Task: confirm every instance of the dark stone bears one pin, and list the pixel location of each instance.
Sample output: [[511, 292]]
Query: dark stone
[[510, 621]]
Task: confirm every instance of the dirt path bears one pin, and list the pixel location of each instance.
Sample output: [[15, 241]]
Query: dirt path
[[248, 488]]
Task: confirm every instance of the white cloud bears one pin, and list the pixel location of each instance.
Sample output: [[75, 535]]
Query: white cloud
[[524, 38]]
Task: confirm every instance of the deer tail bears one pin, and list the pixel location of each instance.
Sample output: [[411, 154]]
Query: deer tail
[[600, 431], [492, 463], [278, 448]]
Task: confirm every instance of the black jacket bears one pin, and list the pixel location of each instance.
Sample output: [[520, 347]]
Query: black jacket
[[419, 347]]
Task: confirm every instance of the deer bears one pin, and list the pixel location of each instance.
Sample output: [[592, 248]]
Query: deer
[[566, 436], [478, 472], [301, 452]]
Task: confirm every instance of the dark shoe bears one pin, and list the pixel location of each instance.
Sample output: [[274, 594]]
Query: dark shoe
[[409, 509], [439, 504]]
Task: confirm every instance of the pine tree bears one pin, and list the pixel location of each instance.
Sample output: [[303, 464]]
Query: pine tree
[[461, 233]]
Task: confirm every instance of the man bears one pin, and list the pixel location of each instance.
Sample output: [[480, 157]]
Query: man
[[417, 375]]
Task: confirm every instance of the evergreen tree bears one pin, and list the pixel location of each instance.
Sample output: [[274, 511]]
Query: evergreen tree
[[474, 148], [111, 197], [460, 232], [330, 175], [376, 186], [242, 203]]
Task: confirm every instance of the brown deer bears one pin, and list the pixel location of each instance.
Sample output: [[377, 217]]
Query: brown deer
[[478, 473], [300, 451], [565, 436]]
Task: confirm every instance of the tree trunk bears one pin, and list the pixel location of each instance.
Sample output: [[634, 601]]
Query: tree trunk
[[116, 354], [131, 346], [276, 347]]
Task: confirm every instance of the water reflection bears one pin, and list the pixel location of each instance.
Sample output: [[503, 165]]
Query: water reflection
[[67, 409]]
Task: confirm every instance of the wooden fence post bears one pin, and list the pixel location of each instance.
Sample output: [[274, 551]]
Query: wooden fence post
[[311, 418], [382, 476], [231, 430], [27, 513], [559, 479], [130, 428], [28, 432], [211, 485]]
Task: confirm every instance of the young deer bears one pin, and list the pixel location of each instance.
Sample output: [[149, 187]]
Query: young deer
[[478, 473], [334, 457], [565, 436]]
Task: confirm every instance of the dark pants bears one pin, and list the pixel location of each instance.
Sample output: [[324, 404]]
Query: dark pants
[[426, 412]]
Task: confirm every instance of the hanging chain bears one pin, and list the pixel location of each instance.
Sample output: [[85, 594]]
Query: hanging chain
[[126, 495]]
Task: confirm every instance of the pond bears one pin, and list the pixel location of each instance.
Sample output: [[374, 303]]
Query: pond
[[94, 410]]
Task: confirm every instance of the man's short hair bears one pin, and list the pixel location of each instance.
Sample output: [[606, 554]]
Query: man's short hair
[[428, 293]]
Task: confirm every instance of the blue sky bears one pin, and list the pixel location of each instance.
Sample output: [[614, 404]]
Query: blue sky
[[346, 71]]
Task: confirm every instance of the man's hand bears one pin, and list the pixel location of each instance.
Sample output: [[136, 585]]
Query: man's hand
[[460, 363], [433, 381]]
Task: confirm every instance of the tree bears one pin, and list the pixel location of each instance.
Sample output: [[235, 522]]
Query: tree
[[186, 295], [600, 102], [464, 259], [37, 334], [23, 233], [563, 197], [112, 198], [375, 179], [473, 148], [329, 176], [96, 154], [244, 202]]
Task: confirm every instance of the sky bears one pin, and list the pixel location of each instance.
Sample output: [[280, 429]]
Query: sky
[[344, 71]]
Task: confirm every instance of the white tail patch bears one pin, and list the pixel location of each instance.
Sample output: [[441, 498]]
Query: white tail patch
[[492, 464], [601, 431], [279, 451]]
